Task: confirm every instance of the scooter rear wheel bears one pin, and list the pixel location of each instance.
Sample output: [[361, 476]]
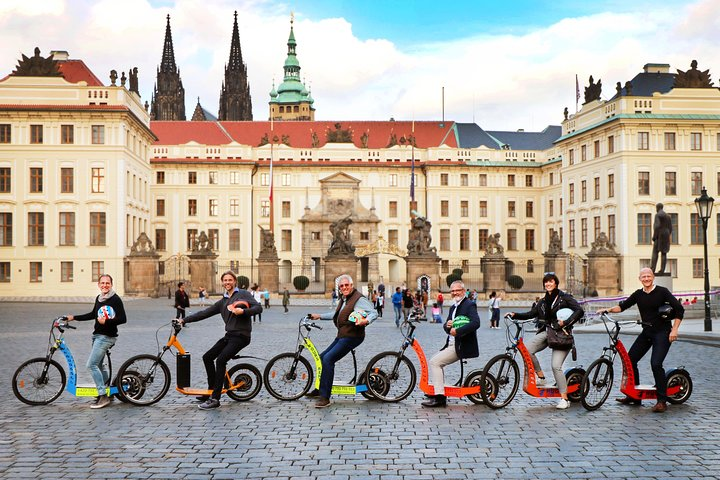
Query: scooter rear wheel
[[681, 378], [247, 379]]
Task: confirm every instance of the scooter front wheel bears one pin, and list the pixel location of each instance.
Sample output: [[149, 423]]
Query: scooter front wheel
[[143, 380], [246, 382], [503, 373], [38, 381], [596, 384], [287, 376]]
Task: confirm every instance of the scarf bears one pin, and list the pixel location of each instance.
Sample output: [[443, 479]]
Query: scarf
[[104, 298]]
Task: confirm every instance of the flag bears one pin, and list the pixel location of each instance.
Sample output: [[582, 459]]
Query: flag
[[577, 89]]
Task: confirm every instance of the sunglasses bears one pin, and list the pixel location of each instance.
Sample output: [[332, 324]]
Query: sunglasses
[[345, 285]]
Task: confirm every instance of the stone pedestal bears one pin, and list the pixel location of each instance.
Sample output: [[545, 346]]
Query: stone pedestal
[[203, 273], [603, 275], [142, 275], [556, 262], [339, 265], [419, 265], [664, 280], [493, 268], [268, 273]]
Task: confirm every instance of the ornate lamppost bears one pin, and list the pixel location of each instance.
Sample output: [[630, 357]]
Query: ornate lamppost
[[704, 205]]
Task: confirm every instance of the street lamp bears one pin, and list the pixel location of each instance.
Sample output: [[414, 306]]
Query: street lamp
[[704, 205]]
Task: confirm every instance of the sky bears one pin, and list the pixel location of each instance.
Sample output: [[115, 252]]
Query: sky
[[503, 65]]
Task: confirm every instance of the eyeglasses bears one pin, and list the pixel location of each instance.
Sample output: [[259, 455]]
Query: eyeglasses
[[457, 290], [345, 285]]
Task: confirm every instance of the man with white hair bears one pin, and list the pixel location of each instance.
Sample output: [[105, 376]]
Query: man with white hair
[[351, 333]]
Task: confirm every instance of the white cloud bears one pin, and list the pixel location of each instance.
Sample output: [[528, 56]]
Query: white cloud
[[507, 81]]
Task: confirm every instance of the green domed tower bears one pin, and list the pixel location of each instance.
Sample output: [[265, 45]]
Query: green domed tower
[[291, 100]]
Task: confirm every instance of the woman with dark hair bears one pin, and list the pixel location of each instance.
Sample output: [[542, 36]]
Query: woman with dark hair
[[236, 307], [546, 312]]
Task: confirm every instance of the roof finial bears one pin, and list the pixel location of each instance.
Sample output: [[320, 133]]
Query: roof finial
[[292, 18]]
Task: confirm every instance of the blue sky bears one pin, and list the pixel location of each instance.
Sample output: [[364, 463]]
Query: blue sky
[[506, 65]]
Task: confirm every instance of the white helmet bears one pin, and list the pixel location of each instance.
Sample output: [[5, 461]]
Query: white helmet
[[563, 314]]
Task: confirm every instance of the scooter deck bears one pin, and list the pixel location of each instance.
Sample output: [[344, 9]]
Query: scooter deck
[[89, 390], [347, 388]]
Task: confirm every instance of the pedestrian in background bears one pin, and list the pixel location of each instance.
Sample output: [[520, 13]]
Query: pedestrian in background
[[286, 300], [440, 301], [397, 301], [258, 296], [266, 296], [182, 301], [203, 295], [494, 307]]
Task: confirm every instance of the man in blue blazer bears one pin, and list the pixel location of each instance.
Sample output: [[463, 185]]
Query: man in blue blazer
[[461, 342]]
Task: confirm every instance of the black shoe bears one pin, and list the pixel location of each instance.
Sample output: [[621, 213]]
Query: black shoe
[[436, 401], [210, 403], [313, 393], [628, 401], [202, 398]]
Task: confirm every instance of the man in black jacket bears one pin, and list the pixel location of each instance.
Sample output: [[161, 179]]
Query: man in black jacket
[[182, 301], [461, 342]]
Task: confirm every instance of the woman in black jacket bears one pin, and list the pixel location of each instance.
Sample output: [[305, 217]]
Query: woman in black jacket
[[546, 312]]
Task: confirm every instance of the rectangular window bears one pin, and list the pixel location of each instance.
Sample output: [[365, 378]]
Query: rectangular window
[[571, 233], [464, 210], [443, 179], [596, 149], [234, 240], [583, 153], [482, 238], [483, 208], [315, 236], [529, 210], [36, 134], [234, 178], [696, 183], [551, 178], [160, 178], [444, 267], [214, 238], [98, 268], [67, 134], [161, 239], [643, 183], [97, 228], [444, 208], [530, 239], [571, 156], [528, 180], [393, 180], [5, 133], [583, 191], [285, 180], [669, 141], [611, 144], [393, 237], [191, 237], [160, 207], [36, 180], [98, 180], [611, 229], [583, 232], [67, 180], [463, 179], [482, 180], [234, 207], [644, 229], [717, 219], [5, 272], [6, 229], [98, 134], [511, 208], [6, 177], [511, 180], [36, 229], [213, 178], [67, 228], [213, 207], [696, 141], [643, 140], [445, 239], [511, 239], [674, 218], [611, 185], [286, 209], [596, 188], [392, 209], [698, 267], [464, 239], [551, 211], [571, 194], [192, 207], [265, 208], [670, 183], [66, 271], [596, 227], [35, 272], [696, 230], [192, 178], [286, 243]]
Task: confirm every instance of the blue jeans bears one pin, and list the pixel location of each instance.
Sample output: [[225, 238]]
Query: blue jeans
[[95, 363], [332, 354], [659, 341], [398, 313]]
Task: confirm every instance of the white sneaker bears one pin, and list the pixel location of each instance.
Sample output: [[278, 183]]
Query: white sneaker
[[539, 381], [562, 404]]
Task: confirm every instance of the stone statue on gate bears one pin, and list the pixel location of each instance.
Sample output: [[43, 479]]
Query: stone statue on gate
[[341, 244], [201, 244], [602, 245], [420, 238], [662, 232], [142, 247], [493, 247], [555, 246], [267, 243]]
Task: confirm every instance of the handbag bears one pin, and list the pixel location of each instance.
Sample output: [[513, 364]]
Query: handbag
[[559, 339]]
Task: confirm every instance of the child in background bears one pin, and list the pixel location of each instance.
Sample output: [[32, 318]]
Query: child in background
[[436, 313]]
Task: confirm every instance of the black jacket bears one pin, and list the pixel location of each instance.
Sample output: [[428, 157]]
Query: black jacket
[[234, 324], [109, 328], [466, 345], [540, 310]]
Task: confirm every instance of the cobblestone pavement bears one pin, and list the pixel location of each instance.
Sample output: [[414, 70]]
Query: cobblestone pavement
[[354, 438]]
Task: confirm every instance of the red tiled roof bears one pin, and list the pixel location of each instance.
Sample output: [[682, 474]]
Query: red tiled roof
[[180, 133], [76, 71], [427, 134]]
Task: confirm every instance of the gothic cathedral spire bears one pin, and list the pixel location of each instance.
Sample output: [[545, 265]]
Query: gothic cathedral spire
[[235, 101], [168, 100]]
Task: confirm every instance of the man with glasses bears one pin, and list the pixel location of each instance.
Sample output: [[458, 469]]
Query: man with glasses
[[350, 334], [461, 342]]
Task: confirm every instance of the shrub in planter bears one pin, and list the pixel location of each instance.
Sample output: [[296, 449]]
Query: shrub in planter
[[458, 272], [301, 282], [452, 278], [515, 281]]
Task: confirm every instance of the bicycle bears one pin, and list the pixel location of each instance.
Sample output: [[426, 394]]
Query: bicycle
[[504, 373], [289, 375], [41, 380], [598, 380], [146, 377], [393, 376]]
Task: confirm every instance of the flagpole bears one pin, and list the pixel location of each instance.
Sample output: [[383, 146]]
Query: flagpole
[[272, 155]]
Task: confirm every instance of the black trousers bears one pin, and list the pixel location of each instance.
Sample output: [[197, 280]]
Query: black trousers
[[217, 358], [659, 341]]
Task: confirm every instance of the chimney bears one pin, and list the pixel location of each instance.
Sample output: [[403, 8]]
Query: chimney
[[656, 68], [60, 55]]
